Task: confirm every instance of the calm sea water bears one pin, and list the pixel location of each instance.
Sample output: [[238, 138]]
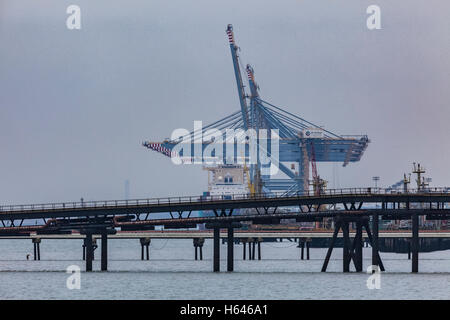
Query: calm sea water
[[172, 273]]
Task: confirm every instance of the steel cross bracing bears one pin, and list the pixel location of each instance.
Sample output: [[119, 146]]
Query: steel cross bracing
[[294, 144]]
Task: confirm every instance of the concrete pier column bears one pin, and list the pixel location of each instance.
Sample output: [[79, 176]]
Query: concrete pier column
[[216, 252], [89, 252], [244, 249], [249, 249], [230, 247], [415, 243], [104, 253]]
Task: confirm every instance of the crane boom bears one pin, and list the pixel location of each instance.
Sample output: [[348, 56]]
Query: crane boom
[[158, 147], [252, 82], [237, 72]]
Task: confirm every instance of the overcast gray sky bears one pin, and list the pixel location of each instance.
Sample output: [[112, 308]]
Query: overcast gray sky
[[75, 105]]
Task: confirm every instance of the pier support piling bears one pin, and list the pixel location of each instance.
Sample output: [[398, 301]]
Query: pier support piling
[[89, 252], [145, 247], [201, 241], [230, 247], [351, 250], [302, 246], [36, 248], [358, 244], [104, 253], [244, 249], [346, 247], [374, 241], [307, 250], [253, 249], [84, 249], [331, 246], [39, 249], [415, 243], [198, 244], [409, 250], [375, 254], [259, 249], [216, 253]]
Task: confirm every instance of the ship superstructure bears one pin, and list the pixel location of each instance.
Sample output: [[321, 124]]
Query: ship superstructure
[[227, 180]]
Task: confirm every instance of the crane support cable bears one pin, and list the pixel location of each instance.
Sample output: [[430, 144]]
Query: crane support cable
[[293, 115]]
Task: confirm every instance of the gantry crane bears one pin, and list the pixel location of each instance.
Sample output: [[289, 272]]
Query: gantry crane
[[300, 141]]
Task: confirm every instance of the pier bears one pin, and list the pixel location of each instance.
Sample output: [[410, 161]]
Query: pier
[[103, 219]]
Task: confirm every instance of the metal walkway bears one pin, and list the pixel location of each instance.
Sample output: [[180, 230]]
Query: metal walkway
[[350, 199]]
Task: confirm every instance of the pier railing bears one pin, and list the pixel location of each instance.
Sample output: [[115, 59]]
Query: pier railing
[[200, 199]]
